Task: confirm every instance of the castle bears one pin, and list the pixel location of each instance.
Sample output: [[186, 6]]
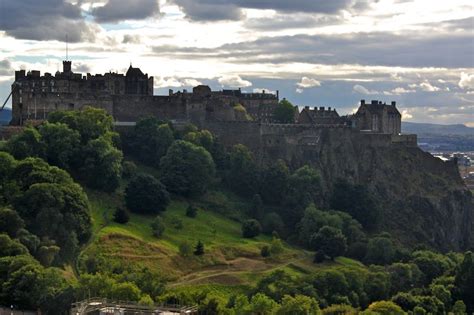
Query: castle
[[233, 115]]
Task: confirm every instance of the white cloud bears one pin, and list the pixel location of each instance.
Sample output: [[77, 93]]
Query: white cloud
[[406, 115], [425, 86], [233, 81], [175, 82], [362, 90], [466, 81], [308, 83], [260, 90], [191, 82], [401, 90], [299, 91]]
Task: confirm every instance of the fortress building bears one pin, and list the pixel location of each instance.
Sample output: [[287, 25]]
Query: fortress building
[[233, 115]]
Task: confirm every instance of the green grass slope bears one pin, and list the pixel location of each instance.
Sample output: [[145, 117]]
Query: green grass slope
[[230, 262]]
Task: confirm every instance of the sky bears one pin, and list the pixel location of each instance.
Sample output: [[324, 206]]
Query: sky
[[419, 53]]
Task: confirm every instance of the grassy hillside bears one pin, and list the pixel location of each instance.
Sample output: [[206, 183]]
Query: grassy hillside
[[230, 262]]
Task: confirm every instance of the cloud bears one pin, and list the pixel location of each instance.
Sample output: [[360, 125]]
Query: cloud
[[214, 10], [167, 82], [362, 90], [131, 39], [81, 67], [425, 86], [44, 20], [6, 68], [290, 21], [406, 115], [234, 81], [401, 90], [118, 10], [308, 83], [260, 90], [466, 81]]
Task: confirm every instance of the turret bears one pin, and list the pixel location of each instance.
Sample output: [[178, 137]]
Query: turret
[[67, 66]]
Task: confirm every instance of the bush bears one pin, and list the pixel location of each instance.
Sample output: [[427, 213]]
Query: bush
[[191, 211], [176, 222], [330, 240], [251, 228], [276, 247], [265, 251], [199, 249], [319, 257], [185, 249], [121, 216], [158, 226], [145, 194], [129, 169]]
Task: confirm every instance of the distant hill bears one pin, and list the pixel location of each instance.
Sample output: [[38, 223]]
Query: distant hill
[[435, 129], [5, 116]]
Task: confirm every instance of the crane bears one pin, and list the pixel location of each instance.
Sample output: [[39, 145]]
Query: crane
[[15, 86]]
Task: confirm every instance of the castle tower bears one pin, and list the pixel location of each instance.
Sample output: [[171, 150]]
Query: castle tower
[[67, 66]]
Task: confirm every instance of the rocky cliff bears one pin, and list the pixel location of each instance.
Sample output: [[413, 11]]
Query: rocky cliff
[[423, 199]]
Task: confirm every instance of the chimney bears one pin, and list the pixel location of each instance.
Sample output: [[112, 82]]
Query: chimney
[[394, 103], [170, 92], [263, 91], [329, 109], [278, 94], [321, 108], [362, 102], [375, 102], [306, 107]]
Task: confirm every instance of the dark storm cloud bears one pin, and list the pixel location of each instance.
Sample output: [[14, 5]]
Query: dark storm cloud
[[5, 68], [212, 10], [43, 20], [119, 10], [382, 49]]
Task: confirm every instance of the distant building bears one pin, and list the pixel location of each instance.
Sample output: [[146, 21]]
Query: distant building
[[378, 117], [319, 116]]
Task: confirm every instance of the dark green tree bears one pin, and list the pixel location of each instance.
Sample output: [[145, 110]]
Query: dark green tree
[[121, 215], [26, 144], [187, 169], [9, 247], [329, 240], [199, 249], [465, 281], [102, 165], [158, 226], [304, 188], [191, 211], [60, 142], [243, 173], [274, 184], [10, 222], [284, 112], [145, 194], [251, 228], [380, 251]]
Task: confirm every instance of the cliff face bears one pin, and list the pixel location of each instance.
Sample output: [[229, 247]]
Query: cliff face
[[423, 199]]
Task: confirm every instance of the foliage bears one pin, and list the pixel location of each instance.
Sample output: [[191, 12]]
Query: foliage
[[26, 144], [242, 176], [121, 215], [357, 201], [10, 222], [380, 250], [465, 280], [185, 249], [284, 112], [61, 144], [145, 194], [274, 184], [199, 249], [386, 307], [299, 305], [129, 169], [276, 246], [191, 211], [150, 140], [187, 169], [272, 222], [251, 228], [330, 241], [265, 251], [158, 227]]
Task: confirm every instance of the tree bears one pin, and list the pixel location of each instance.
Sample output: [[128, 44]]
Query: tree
[[187, 169], [242, 176], [431, 264], [284, 112], [262, 304], [329, 240], [274, 184], [386, 307], [257, 207], [272, 222], [380, 250], [145, 194], [10, 222], [90, 122], [357, 201], [191, 211], [304, 188], [121, 215], [185, 249], [151, 139], [60, 142], [459, 308], [276, 247], [129, 169], [464, 281], [26, 144], [102, 165], [251, 228], [199, 249], [265, 251], [299, 305], [9, 247], [46, 254], [157, 226]]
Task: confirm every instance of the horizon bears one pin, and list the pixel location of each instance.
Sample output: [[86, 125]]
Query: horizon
[[417, 53]]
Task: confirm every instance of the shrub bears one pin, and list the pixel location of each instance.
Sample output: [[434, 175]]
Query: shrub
[[330, 240], [265, 251], [121, 216], [185, 249], [319, 256], [145, 194], [199, 249], [251, 228], [191, 211], [158, 226], [277, 246], [176, 222], [129, 169]]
